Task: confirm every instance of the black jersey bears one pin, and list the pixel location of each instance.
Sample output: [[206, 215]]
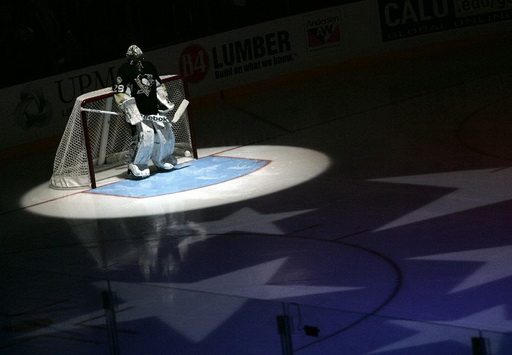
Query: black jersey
[[142, 85]]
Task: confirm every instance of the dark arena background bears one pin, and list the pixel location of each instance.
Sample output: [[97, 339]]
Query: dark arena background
[[351, 192]]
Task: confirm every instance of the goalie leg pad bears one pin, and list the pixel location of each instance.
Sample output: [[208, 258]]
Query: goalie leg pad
[[138, 172], [144, 147], [162, 156]]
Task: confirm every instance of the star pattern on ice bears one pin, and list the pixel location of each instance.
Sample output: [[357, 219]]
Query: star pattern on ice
[[225, 294], [457, 330], [426, 334], [252, 282], [472, 189], [496, 265], [245, 220], [495, 318], [249, 221], [196, 309]]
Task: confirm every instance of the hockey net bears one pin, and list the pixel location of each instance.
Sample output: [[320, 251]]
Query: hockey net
[[97, 140]]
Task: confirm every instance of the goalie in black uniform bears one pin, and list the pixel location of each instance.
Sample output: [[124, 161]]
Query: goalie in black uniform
[[142, 96]]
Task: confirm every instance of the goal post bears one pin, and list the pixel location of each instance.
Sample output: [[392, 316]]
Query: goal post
[[97, 137]]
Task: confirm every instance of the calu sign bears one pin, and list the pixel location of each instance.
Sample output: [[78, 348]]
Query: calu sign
[[406, 18]]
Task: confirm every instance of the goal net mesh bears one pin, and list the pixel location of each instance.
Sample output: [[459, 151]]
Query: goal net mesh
[[105, 138]]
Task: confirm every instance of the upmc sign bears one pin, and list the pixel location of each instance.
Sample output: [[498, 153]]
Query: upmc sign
[[407, 18]]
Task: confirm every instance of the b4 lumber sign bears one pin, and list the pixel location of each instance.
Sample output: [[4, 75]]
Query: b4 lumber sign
[[407, 18]]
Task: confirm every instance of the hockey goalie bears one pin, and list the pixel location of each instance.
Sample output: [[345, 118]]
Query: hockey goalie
[[143, 99]]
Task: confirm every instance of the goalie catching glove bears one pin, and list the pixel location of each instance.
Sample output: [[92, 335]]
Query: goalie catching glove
[[161, 93]]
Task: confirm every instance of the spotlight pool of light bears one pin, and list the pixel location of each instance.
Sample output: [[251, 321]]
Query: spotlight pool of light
[[287, 167]]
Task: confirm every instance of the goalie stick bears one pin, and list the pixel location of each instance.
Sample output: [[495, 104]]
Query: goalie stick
[[156, 118], [179, 112], [100, 111]]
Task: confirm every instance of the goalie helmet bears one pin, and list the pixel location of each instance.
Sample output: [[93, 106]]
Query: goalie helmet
[[135, 56]]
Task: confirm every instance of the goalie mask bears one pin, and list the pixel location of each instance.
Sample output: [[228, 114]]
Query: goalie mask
[[135, 56]]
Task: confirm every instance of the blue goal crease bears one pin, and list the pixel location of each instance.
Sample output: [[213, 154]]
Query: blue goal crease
[[191, 175]]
